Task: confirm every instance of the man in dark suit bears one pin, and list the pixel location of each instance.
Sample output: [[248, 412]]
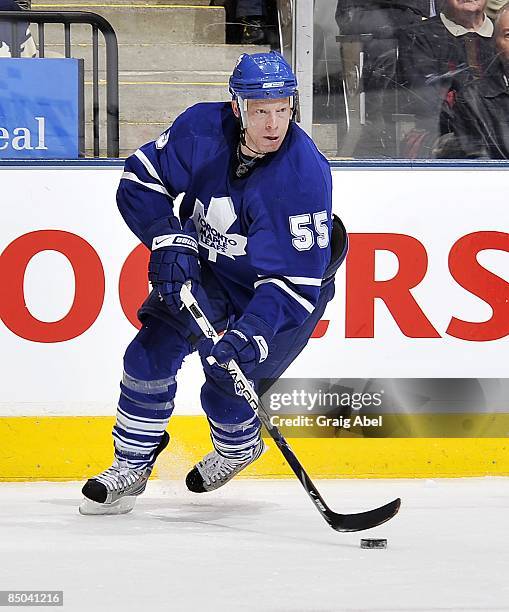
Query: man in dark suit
[[436, 58], [380, 17], [480, 120], [381, 20]]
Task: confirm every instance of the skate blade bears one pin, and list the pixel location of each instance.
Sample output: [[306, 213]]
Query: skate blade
[[121, 506]]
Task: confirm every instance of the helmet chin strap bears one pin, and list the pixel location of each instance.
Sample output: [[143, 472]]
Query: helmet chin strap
[[244, 143]]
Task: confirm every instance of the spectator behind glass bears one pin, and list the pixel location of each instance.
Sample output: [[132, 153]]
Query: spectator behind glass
[[26, 42], [252, 14], [381, 19], [435, 58], [250, 22], [481, 114]]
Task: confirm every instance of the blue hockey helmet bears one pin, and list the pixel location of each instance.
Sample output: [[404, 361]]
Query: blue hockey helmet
[[262, 76]]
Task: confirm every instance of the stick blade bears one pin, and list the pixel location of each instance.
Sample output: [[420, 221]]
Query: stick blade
[[365, 520]]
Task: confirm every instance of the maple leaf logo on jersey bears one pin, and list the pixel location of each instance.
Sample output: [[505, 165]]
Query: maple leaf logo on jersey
[[213, 227]]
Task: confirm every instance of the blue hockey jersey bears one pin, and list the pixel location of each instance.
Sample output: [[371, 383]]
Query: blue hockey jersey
[[265, 237]]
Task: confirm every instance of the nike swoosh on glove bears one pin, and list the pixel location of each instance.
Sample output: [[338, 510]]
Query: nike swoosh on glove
[[173, 262], [246, 343]]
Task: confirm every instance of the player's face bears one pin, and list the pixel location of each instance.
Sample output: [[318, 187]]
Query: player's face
[[268, 122], [502, 37]]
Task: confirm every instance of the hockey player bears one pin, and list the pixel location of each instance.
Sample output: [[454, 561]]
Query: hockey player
[[254, 238]]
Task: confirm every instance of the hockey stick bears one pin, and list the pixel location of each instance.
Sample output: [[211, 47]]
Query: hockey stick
[[339, 522]]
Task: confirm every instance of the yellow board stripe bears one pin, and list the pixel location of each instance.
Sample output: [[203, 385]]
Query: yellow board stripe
[[74, 448]]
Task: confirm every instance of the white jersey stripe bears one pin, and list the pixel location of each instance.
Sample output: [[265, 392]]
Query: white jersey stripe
[[130, 176], [304, 280], [282, 285], [148, 165]]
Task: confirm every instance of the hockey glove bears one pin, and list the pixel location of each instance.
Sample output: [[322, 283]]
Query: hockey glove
[[173, 262], [246, 344]]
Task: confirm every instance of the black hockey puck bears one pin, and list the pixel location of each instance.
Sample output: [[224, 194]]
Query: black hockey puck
[[374, 543]]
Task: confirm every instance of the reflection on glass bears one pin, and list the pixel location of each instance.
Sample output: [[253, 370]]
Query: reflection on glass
[[411, 79]]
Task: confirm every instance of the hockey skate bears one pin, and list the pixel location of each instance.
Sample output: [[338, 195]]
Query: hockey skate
[[215, 470], [114, 491]]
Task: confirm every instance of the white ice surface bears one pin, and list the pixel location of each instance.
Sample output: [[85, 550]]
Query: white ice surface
[[261, 545]]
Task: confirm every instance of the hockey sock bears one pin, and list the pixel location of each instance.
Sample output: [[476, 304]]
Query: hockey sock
[[235, 441], [143, 412]]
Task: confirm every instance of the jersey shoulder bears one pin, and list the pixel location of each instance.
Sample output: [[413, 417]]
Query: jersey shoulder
[[204, 120], [298, 176], [305, 158]]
